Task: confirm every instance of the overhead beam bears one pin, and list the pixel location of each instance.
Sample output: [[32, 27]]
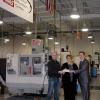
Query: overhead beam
[[48, 18], [88, 16]]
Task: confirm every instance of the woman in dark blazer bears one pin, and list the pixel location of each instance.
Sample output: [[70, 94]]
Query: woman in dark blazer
[[69, 80]]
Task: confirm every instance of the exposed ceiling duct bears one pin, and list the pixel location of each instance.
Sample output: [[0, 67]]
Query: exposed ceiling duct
[[64, 7]]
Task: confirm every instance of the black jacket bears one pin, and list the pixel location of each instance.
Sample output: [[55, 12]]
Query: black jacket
[[66, 79], [53, 68]]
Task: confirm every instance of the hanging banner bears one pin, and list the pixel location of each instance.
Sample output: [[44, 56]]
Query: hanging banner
[[21, 8], [50, 6], [78, 35]]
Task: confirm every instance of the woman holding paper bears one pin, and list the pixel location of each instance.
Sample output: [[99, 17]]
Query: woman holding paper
[[69, 80]]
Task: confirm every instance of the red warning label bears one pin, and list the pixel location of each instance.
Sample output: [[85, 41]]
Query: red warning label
[[9, 2]]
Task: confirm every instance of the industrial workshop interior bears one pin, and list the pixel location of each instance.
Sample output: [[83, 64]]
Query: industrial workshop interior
[[31, 31]]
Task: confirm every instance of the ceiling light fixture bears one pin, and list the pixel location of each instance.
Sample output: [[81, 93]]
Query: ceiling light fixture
[[92, 41], [90, 36], [84, 29], [56, 43], [28, 32], [75, 14], [23, 44], [1, 18], [6, 40], [1, 22], [51, 38]]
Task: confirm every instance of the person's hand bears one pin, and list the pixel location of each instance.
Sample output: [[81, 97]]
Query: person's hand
[[72, 71], [60, 72]]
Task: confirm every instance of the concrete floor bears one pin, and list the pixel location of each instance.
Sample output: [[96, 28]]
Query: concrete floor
[[94, 93]]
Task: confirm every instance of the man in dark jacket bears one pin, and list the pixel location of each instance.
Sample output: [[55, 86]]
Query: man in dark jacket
[[53, 81]]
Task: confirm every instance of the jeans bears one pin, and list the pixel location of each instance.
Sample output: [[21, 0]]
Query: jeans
[[53, 88]]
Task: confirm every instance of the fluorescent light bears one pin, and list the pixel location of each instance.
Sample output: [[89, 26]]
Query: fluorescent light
[[56, 43], [23, 44], [75, 14], [1, 22], [92, 41], [85, 29], [28, 32], [90, 37], [6, 40], [50, 38]]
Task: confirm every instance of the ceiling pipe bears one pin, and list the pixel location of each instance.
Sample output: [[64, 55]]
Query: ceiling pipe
[[49, 18], [45, 32]]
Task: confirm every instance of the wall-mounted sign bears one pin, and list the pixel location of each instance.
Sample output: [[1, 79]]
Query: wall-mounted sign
[[37, 45], [21, 8]]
